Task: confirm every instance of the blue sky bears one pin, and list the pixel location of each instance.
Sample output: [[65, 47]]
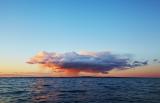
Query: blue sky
[[127, 26]]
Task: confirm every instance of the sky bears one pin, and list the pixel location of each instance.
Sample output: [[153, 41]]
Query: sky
[[61, 26]]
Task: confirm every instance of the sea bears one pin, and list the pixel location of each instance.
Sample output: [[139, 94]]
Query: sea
[[79, 90]]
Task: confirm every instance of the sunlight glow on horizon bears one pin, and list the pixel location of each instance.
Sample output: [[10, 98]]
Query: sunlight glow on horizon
[[146, 71]]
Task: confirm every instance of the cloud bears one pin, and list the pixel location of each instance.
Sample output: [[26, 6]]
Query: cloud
[[139, 63], [91, 62], [155, 60]]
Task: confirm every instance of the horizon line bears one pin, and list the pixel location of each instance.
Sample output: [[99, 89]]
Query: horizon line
[[71, 77]]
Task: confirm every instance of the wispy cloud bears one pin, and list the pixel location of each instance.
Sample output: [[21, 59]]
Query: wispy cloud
[[156, 60]]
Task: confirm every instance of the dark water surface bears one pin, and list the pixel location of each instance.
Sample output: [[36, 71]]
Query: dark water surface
[[79, 90]]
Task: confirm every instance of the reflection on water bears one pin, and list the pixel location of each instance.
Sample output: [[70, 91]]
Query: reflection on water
[[79, 90], [41, 91]]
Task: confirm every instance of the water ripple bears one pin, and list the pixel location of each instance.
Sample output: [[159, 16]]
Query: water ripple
[[79, 90]]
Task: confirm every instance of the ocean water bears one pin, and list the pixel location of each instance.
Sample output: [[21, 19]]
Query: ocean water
[[79, 90]]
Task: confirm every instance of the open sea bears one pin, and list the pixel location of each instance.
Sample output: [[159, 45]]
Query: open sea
[[79, 90]]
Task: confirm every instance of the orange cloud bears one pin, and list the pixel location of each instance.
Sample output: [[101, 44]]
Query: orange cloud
[[73, 63]]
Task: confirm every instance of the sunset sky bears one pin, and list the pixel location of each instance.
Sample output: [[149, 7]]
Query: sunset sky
[[130, 27]]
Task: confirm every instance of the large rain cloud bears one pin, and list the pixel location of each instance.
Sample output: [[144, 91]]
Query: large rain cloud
[[92, 62]]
